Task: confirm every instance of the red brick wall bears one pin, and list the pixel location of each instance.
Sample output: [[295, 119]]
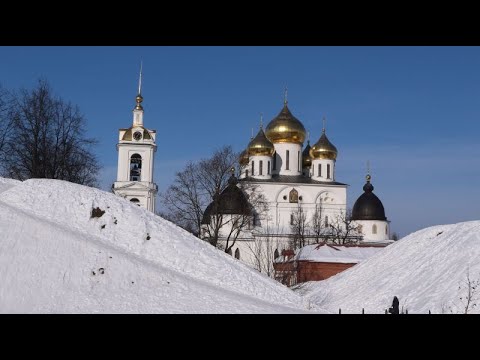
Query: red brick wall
[[315, 271]]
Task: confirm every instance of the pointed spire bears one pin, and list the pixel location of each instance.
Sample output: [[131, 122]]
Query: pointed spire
[[308, 137], [285, 96], [139, 97], [261, 121], [368, 177], [140, 79], [324, 120], [251, 137]]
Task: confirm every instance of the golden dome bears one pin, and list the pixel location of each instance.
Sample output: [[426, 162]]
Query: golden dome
[[243, 158], [323, 149], [306, 158], [260, 145], [285, 128], [128, 134]]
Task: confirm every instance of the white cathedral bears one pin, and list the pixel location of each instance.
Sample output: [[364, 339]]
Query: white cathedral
[[290, 176], [136, 149]]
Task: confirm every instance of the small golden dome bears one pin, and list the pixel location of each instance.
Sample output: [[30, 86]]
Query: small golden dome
[[243, 158], [285, 128], [306, 158], [323, 149], [128, 134], [260, 145]]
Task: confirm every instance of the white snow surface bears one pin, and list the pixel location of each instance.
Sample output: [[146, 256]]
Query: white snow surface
[[56, 258], [336, 253], [426, 270]]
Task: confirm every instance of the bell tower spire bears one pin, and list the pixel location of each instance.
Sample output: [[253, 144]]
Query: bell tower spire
[[138, 110]]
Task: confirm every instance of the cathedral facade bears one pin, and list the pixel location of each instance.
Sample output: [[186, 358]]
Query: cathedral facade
[[299, 187]]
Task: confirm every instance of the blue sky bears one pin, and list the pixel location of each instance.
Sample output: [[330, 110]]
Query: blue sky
[[413, 112]]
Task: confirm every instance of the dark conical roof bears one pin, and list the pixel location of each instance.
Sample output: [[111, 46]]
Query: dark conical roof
[[368, 206], [306, 158], [231, 200]]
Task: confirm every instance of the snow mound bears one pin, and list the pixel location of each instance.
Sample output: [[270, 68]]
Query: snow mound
[[69, 248], [426, 270]]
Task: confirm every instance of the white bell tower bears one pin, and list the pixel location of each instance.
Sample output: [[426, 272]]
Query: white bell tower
[[136, 149]]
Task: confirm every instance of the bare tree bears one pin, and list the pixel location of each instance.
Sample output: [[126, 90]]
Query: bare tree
[[185, 200], [6, 119], [227, 227], [344, 230], [469, 297], [318, 224], [264, 248], [199, 186], [299, 226], [47, 139]]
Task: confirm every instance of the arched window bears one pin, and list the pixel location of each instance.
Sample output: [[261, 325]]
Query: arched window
[[326, 220], [293, 196], [260, 168], [135, 167], [319, 170], [246, 173], [274, 161], [268, 168], [328, 171], [135, 201], [276, 254], [292, 219], [237, 254], [229, 252], [374, 229], [287, 160], [386, 230], [253, 168]]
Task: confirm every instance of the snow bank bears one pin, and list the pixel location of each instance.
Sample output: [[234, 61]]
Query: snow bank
[[56, 257], [337, 253], [425, 270]]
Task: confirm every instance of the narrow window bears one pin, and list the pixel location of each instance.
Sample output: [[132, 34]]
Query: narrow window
[[287, 166], [276, 254], [246, 173], [291, 219], [260, 167], [229, 252], [299, 162], [237, 254], [319, 170], [275, 161], [328, 171], [253, 168], [374, 229], [268, 168], [326, 220], [386, 230], [135, 167]]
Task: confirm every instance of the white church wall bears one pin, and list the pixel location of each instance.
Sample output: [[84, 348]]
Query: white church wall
[[294, 162], [367, 228]]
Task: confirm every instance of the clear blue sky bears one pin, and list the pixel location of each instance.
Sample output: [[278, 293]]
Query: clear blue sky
[[414, 112]]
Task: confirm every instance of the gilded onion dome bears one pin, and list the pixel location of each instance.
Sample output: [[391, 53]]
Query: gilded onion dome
[[285, 128], [323, 149], [243, 158], [306, 158], [260, 145]]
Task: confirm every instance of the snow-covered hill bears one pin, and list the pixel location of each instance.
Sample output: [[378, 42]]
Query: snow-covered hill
[[56, 257], [426, 270]]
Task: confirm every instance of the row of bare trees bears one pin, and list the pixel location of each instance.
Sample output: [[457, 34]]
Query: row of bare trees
[[340, 229], [43, 136]]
